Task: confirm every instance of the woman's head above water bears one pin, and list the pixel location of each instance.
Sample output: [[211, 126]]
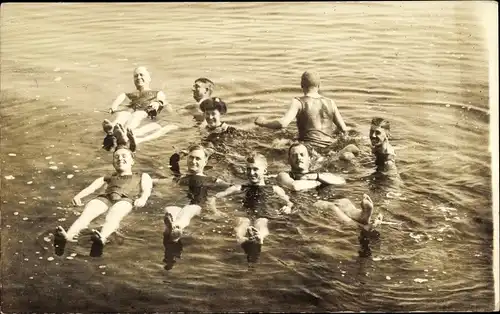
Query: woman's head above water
[[213, 108]]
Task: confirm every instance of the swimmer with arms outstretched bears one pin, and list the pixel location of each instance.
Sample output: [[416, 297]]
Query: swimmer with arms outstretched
[[315, 114], [143, 103], [118, 200], [252, 229], [299, 178]]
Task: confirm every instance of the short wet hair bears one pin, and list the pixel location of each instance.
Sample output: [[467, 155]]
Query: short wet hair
[[214, 103], [309, 79], [210, 84], [194, 147], [257, 157], [381, 122], [121, 146], [295, 144]]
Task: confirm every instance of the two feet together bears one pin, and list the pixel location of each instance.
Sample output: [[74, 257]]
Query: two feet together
[[117, 135]]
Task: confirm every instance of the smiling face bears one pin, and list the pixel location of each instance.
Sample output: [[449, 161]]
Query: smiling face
[[196, 161], [256, 172], [299, 159], [212, 117], [142, 78], [378, 136], [201, 91], [123, 160]]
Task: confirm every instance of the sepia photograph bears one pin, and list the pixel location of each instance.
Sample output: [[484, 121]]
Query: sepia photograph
[[211, 157]]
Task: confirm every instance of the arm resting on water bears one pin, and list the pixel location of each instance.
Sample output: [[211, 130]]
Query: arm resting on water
[[118, 101], [94, 186], [296, 185], [162, 99], [284, 121], [235, 189], [338, 120], [330, 178]]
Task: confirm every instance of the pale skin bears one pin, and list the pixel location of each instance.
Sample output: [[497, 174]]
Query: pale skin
[[181, 216], [122, 161], [244, 231], [299, 161], [132, 120], [291, 113], [379, 138]]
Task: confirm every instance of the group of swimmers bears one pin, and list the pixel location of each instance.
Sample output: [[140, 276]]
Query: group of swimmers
[[316, 117]]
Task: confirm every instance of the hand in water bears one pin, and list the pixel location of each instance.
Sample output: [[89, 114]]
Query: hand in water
[[77, 201], [260, 120], [154, 106], [111, 111], [140, 202], [285, 209]]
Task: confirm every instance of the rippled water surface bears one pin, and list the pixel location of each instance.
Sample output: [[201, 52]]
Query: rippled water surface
[[423, 66]]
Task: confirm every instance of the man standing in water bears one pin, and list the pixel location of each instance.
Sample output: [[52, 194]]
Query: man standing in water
[[315, 115], [144, 102]]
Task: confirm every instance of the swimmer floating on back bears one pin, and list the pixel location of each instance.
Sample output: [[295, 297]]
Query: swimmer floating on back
[[252, 229], [144, 102], [178, 218], [118, 200]]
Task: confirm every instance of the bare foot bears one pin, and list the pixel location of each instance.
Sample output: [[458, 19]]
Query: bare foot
[[367, 209], [107, 126], [121, 134]]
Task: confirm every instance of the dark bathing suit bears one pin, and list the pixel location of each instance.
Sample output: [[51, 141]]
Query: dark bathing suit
[[257, 200], [141, 100], [315, 120], [198, 187], [120, 188]]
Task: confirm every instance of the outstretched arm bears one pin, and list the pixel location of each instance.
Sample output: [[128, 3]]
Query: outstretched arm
[[285, 180], [281, 193], [235, 189], [94, 186], [282, 123], [118, 101], [146, 187], [338, 120], [162, 100]]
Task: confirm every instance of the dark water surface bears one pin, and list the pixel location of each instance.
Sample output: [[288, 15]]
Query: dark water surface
[[423, 66]]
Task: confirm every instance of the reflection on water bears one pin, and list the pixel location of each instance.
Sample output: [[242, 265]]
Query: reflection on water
[[422, 66]]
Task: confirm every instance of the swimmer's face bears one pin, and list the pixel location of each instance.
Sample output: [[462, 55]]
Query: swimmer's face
[[200, 91], [299, 158], [212, 117], [141, 77], [123, 160], [378, 135], [256, 172], [196, 161]]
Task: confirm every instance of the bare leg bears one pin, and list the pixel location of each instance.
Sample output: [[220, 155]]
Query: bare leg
[[150, 127], [241, 230], [92, 210], [157, 133], [135, 119], [366, 210], [262, 230], [115, 215], [121, 117], [176, 219]]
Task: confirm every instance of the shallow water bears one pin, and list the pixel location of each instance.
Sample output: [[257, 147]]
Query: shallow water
[[423, 66]]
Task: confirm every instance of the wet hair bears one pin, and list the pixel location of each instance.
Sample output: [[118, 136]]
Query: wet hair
[[194, 147], [214, 103], [210, 84], [295, 144], [257, 157], [309, 79], [121, 146], [383, 123]]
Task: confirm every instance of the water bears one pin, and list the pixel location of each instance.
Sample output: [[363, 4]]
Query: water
[[423, 66]]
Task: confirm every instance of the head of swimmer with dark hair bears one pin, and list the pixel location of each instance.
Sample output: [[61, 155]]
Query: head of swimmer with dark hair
[[213, 108], [256, 169], [299, 157], [202, 88], [123, 160], [380, 132]]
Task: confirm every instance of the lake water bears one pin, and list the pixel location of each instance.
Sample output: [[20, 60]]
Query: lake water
[[423, 66]]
